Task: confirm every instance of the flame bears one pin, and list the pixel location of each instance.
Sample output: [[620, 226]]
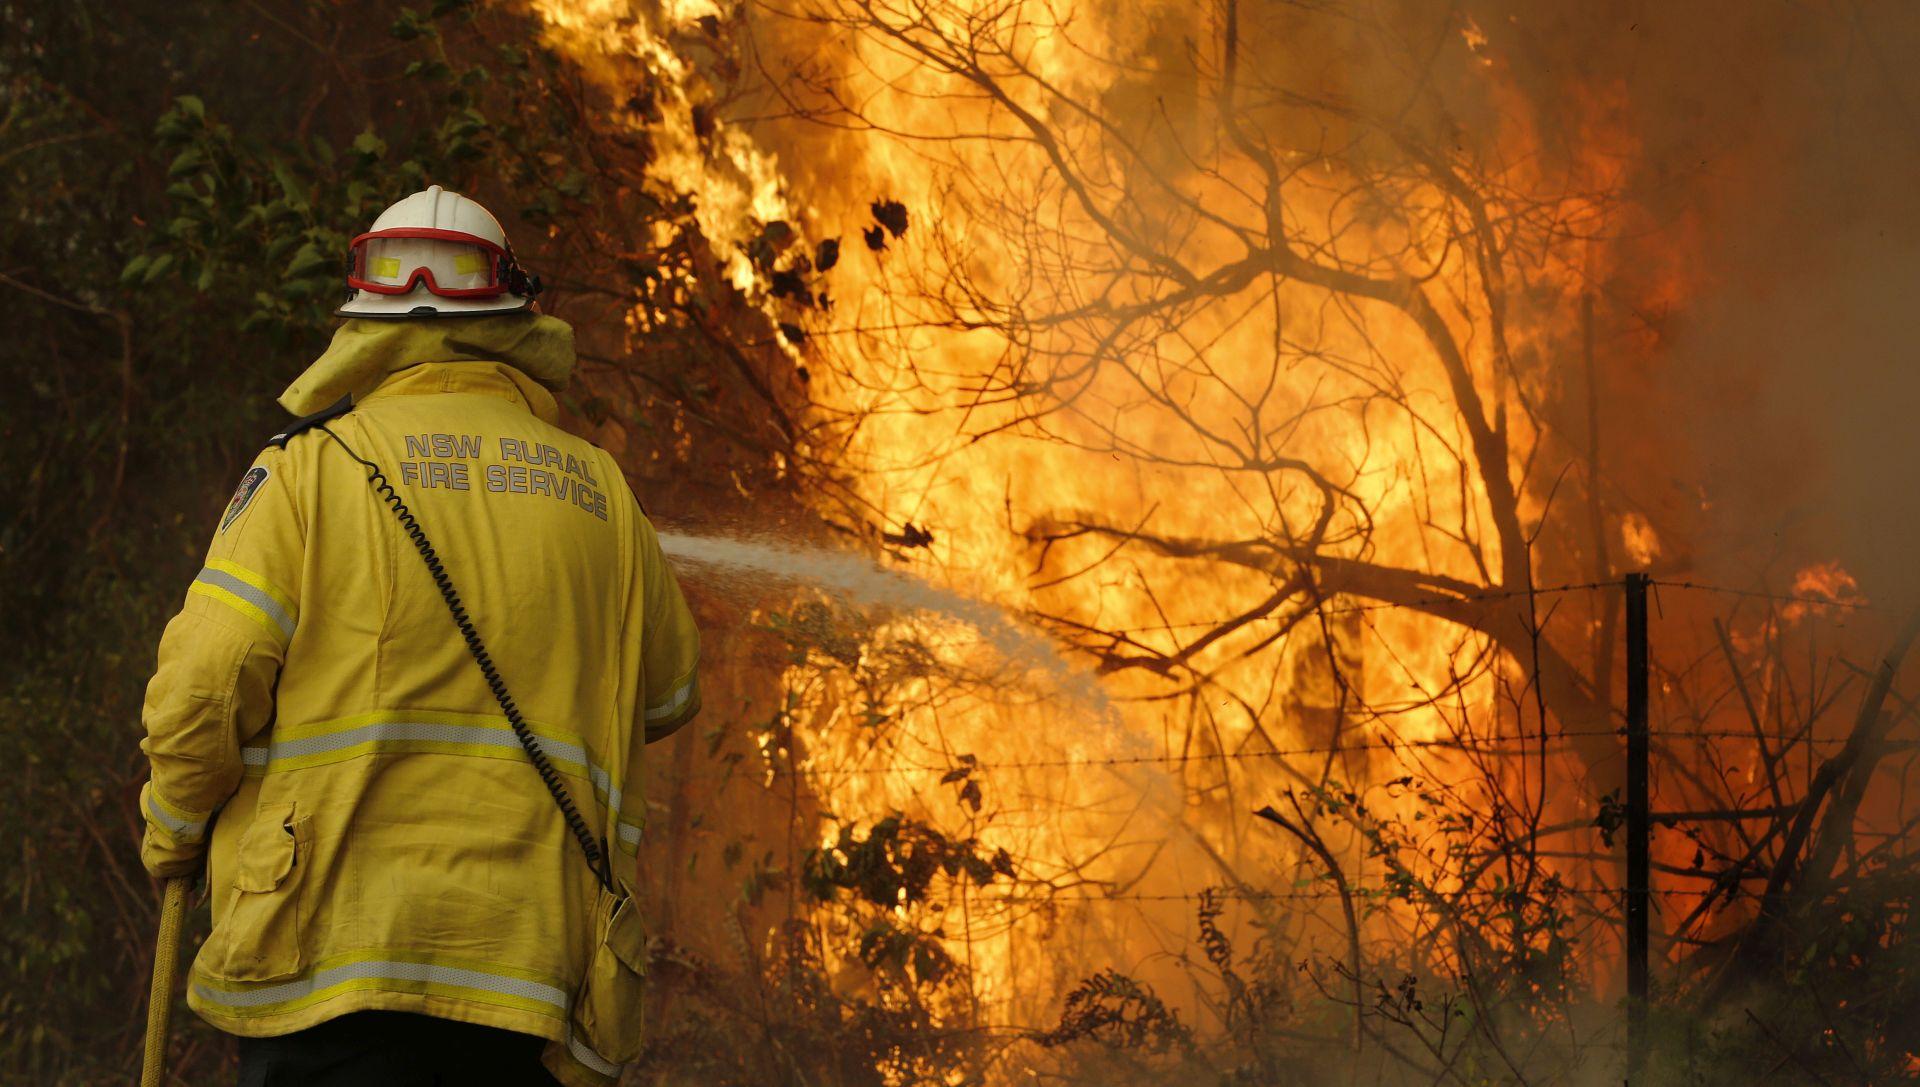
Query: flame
[[940, 382], [1826, 580], [731, 191], [1639, 538]]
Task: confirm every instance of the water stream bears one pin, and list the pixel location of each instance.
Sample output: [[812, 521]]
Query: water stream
[[748, 563]]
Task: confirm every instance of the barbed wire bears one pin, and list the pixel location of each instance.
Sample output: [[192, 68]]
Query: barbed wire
[[1358, 893], [1514, 745], [1416, 602], [1812, 601], [1499, 746], [1538, 591]]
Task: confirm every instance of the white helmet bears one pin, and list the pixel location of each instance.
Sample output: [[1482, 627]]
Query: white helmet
[[435, 254]]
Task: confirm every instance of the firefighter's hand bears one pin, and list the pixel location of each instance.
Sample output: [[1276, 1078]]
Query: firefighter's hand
[[165, 860]]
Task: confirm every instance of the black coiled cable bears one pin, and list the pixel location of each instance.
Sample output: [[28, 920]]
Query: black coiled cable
[[595, 850]]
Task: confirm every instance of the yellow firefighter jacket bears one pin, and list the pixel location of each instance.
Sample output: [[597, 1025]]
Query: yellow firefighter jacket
[[376, 836]]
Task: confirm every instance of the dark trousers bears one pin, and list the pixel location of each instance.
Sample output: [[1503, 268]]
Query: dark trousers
[[393, 1049]]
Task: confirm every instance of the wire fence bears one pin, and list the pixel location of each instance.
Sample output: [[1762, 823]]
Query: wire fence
[[1437, 600], [1726, 881], [1757, 594], [1496, 746], [1544, 888]]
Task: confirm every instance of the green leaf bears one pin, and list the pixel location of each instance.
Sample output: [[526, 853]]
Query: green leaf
[[135, 268], [186, 161], [410, 25], [306, 262], [204, 281], [191, 105], [279, 246], [370, 145], [158, 268], [290, 185]]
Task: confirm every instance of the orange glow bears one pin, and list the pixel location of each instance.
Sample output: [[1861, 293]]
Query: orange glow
[[972, 379]]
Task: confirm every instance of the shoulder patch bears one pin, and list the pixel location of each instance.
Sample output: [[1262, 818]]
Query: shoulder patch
[[308, 422], [250, 485]]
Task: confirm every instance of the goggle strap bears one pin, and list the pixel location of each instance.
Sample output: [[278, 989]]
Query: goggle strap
[[516, 279]]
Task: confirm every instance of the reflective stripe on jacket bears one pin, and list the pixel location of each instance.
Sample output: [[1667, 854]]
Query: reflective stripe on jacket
[[377, 837]]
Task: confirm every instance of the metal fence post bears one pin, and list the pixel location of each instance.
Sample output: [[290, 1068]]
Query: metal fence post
[[1639, 828]]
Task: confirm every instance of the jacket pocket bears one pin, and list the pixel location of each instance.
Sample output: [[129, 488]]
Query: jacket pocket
[[607, 1012], [259, 938]]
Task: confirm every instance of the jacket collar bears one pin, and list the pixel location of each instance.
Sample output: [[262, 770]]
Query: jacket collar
[[485, 378], [522, 356]]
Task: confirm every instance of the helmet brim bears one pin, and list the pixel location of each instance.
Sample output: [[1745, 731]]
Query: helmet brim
[[422, 304]]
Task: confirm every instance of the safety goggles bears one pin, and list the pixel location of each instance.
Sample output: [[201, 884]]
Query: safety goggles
[[451, 263]]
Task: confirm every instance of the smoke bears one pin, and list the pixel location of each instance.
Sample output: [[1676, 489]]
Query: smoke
[[1772, 424]]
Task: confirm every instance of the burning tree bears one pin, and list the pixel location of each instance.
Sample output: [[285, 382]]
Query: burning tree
[[1273, 391], [1325, 332]]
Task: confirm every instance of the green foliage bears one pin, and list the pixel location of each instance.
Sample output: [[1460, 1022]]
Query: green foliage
[[264, 223]]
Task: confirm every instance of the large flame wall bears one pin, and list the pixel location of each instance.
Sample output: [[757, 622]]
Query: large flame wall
[[973, 380]]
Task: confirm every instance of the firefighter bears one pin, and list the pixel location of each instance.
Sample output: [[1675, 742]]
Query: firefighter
[[429, 623]]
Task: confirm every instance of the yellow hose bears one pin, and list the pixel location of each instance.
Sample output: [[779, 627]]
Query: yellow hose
[[166, 954]]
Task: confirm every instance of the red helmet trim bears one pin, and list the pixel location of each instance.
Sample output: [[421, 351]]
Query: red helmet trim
[[432, 232]]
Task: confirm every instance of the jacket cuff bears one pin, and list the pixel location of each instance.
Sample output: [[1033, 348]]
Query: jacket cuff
[[574, 1065], [175, 838], [680, 707], [173, 822]]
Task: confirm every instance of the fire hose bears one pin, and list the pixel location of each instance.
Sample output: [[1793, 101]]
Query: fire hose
[[166, 955]]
